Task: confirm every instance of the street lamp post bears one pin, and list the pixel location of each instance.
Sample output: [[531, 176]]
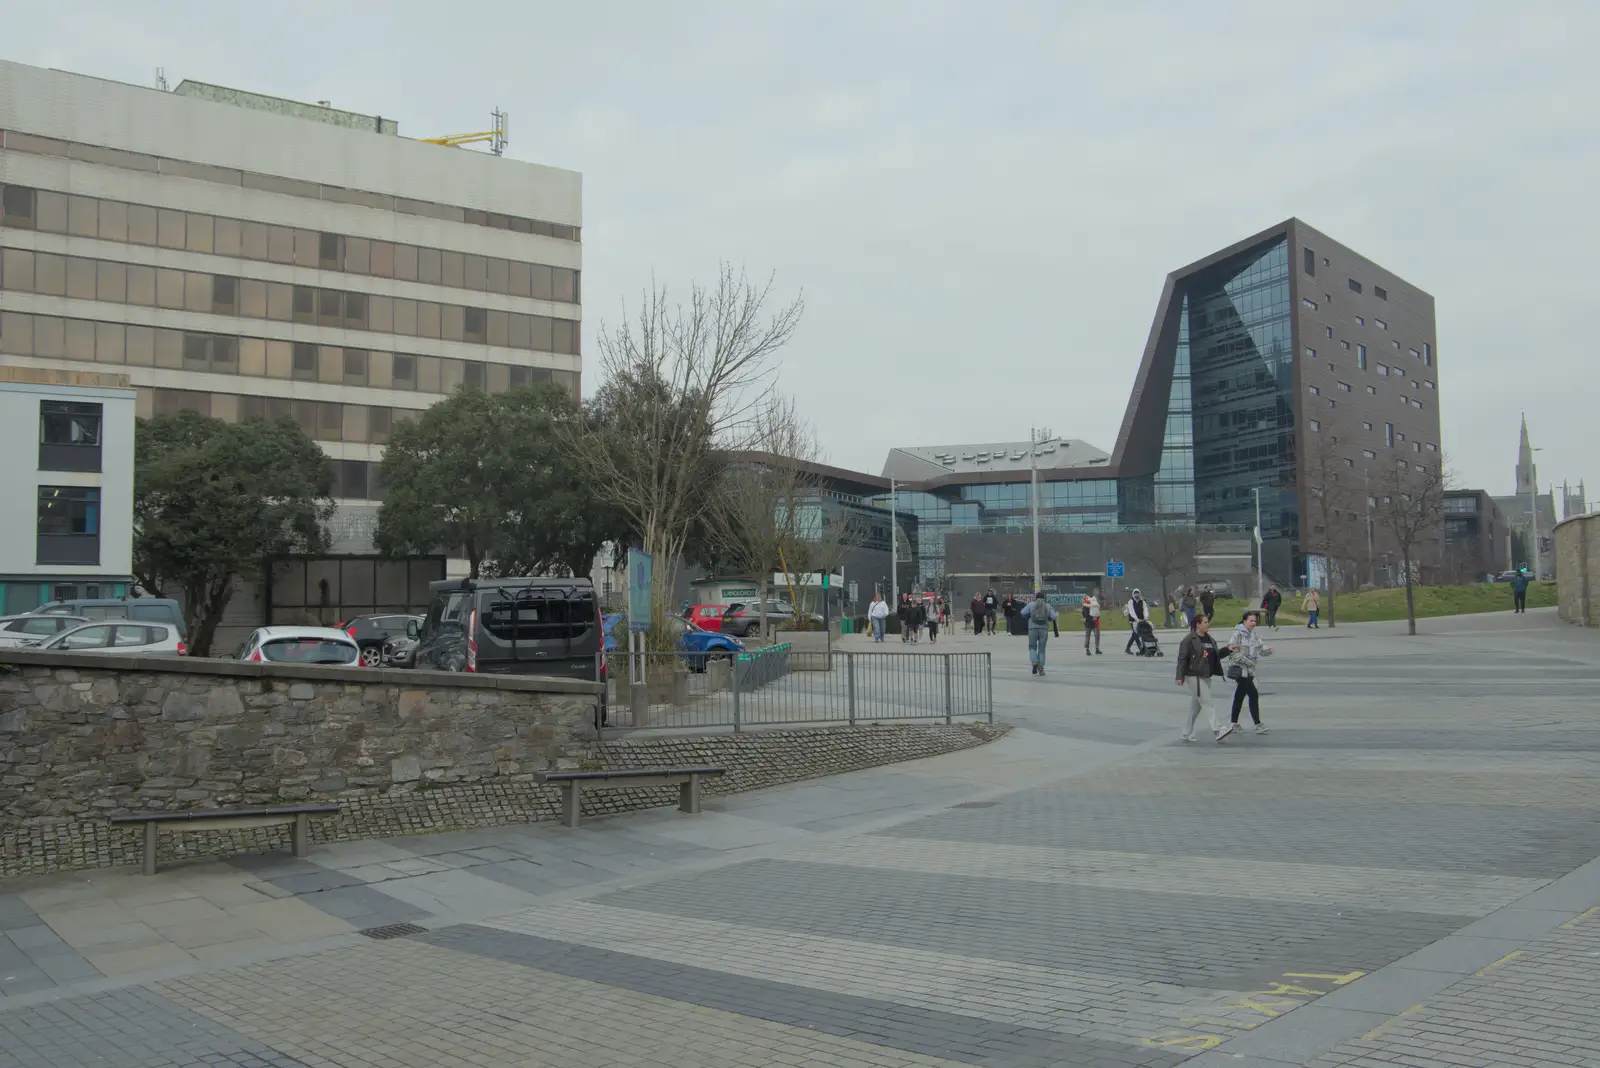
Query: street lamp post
[[1533, 522], [1261, 589], [894, 548], [1034, 441]]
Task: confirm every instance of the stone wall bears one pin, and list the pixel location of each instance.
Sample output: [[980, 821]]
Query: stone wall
[[83, 737], [1577, 556]]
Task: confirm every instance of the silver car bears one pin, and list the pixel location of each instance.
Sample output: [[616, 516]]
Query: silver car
[[32, 629], [158, 638]]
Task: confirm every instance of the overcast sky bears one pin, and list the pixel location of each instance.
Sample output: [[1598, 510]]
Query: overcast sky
[[980, 201]]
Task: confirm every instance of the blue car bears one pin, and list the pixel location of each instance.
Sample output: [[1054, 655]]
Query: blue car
[[697, 647]]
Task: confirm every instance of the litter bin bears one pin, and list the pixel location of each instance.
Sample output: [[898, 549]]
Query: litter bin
[[1019, 625], [847, 625]]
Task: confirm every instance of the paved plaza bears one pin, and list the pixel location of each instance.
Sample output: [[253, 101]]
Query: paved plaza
[[1403, 872]]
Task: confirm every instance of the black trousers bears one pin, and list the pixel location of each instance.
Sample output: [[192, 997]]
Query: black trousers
[[1519, 601], [1242, 688]]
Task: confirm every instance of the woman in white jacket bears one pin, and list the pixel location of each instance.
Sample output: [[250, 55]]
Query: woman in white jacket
[[1248, 649], [877, 612]]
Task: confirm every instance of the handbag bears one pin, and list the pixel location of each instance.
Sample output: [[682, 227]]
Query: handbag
[[1236, 672]]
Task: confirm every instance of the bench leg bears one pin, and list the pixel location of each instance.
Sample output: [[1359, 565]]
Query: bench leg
[[689, 795], [148, 861], [571, 798], [300, 835]]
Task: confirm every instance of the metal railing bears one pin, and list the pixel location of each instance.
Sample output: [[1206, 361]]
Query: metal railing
[[778, 685]]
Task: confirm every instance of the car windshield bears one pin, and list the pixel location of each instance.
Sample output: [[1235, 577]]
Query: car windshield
[[307, 651]]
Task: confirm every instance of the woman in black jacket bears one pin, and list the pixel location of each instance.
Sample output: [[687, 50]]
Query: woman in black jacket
[[1200, 661]]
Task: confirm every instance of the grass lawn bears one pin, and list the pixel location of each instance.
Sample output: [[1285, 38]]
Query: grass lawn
[[1377, 605]]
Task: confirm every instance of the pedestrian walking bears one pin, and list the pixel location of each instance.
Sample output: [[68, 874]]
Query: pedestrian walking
[[991, 606], [1246, 650], [1270, 604], [1010, 610], [1171, 609], [1137, 611], [878, 614], [1519, 592], [1091, 622], [934, 612], [903, 614], [1311, 602], [1208, 603], [919, 618], [1199, 663], [1187, 603], [1039, 613]]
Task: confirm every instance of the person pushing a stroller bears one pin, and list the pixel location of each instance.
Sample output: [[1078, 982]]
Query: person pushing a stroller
[[1138, 612]]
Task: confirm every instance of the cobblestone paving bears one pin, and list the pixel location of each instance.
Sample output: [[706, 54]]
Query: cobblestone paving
[[1403, 873]]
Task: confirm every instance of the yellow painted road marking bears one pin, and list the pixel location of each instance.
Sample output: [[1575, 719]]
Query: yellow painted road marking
[[1570, 924], [1182, 1041], [1291, 990], [1513, 955], [1381, 1028], [1336, 980], [1264, 1006]]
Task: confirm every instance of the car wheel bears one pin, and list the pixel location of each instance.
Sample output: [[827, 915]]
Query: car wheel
[[752, 630], [371, 656]]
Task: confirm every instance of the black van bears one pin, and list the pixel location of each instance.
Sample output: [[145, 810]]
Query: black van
[[513, 626]]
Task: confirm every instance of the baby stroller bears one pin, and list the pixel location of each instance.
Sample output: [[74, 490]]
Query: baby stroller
[[1145, 635]]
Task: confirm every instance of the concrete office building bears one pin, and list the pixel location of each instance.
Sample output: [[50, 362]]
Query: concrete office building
[[1477, 538], [68, 442], [243, 256]]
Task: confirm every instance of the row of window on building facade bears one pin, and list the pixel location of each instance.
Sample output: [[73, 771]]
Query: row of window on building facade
[[90, 341], [111, 282], [13, 141], [138, 224]]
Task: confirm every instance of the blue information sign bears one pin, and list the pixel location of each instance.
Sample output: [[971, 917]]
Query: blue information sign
[[640, 566], [1114, 569]]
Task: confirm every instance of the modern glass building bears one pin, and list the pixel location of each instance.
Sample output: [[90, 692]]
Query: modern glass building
[[1286, 368]]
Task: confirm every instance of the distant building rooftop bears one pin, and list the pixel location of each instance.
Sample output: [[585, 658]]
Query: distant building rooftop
[[920, 462], [319, 112]]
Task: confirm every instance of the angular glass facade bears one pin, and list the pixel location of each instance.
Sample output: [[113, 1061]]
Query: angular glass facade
[[1174, 481], [1236, 339]]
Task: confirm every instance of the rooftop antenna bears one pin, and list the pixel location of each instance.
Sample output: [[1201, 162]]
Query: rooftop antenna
[[161, 79], [497, 138]]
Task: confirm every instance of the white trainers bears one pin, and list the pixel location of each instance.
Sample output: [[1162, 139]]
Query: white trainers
[[1227, 730], [1187, 737], [1261, 728]]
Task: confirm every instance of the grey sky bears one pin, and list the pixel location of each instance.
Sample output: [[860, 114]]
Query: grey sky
[[981, 202]]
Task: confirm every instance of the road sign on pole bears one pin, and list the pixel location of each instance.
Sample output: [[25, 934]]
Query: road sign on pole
[[640, 568], [1115, 569]]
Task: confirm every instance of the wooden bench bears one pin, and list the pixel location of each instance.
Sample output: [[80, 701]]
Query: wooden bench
[[687, 780], [298, 817]]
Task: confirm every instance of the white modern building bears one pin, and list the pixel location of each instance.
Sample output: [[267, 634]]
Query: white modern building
[[246, 256], [67, 440]]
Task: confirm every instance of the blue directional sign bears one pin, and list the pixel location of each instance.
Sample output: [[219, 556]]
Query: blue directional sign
[[1114, 569]]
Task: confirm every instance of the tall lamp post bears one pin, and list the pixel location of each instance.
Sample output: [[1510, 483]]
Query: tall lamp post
[[894, 549], [1533, 523], [1034, 442]]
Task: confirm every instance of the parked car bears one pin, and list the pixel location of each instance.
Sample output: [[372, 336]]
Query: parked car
[[744, 620], [696, 647], [370, 633], [142, 609], [32, 629], [528, 626], [301, 645], [400, 651], [156, 638], [706, 616]]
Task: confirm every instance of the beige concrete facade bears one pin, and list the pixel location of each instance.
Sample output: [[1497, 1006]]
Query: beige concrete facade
[[1577, 552]]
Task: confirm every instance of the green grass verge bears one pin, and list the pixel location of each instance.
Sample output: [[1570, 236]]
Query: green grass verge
[[1375, 606]]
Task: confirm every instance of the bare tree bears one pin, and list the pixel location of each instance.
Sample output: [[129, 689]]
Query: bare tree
[[1411, 511], [1168, 549], [1332, 496], [756, 517], [683, 384]]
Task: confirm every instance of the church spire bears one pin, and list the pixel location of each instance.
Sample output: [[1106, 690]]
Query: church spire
[[1527, 473]]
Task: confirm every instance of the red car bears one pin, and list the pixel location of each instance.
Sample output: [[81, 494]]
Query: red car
[[706, 617]]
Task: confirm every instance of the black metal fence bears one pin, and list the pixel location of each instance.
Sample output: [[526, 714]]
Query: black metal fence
[[779, 685]]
